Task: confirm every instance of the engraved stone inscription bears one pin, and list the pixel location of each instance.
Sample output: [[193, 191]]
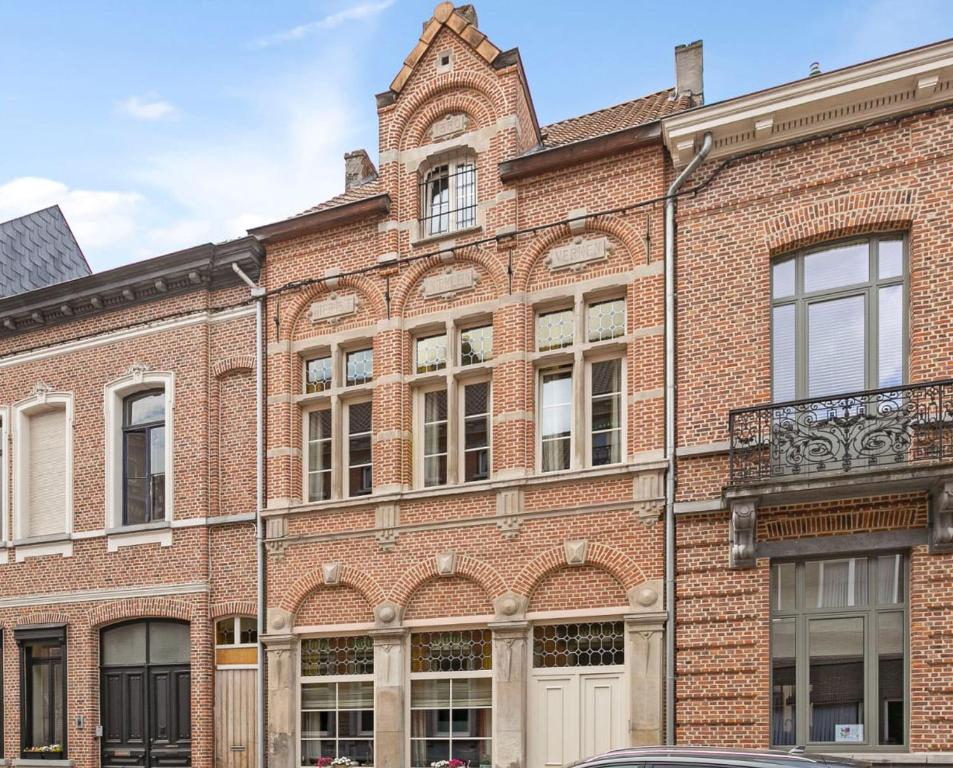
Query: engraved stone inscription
[[449, 283], [333, 308], [578, 254]]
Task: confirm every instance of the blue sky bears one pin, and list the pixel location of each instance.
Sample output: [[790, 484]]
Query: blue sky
[[161, 125]]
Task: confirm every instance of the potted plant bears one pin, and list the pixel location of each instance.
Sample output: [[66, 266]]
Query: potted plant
[[44, 752]]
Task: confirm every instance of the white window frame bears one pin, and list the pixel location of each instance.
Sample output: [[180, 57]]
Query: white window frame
[[115, 393], [412, 676], [302, 680], [236, 628], [462, 421], [336, 398], [453, 378], [346, 449], [41, 400], [453, 159], [579, 357]]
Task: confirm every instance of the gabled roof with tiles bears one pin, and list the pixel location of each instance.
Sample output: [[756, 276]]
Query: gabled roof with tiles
[[353, 195], [461, 20], [629, 114], [38, 250]]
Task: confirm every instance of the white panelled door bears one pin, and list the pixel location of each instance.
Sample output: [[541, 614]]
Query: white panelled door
[[575, 714]]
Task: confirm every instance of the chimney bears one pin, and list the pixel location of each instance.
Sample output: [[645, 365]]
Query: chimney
[[358, 169], [689, 72]]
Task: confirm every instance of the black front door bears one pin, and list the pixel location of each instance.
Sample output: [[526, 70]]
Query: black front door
[[146, 695]]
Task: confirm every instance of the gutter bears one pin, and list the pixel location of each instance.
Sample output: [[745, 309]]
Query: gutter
[[670, 433], [258, 294], [581, 151]]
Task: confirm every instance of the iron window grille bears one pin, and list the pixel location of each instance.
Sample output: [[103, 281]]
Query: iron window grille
[[448, 197]]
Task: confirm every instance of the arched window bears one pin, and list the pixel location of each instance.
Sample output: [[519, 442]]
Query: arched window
[[448, 195], [143, 448]]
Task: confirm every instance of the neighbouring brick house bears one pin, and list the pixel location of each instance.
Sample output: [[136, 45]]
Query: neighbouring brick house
[[815, 355], [128, 499], [464, 456]]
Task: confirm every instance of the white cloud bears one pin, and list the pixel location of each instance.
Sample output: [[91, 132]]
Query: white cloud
[[332, 20], [149, 108], [98, 218]]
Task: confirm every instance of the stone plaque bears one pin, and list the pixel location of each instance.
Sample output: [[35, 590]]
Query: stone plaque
[[449, 283], [333, 308], [449, 125], [578, 254]]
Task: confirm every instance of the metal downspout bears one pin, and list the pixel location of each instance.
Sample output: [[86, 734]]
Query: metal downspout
[[670, 406], [258, 293]]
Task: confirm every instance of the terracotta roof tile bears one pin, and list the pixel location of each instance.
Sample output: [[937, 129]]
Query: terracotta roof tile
[[352, 195], [626, 115]]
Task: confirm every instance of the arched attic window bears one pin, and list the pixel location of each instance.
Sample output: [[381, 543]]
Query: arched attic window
[[448, 191]]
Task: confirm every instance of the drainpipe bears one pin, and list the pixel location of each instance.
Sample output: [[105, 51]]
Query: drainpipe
[[258, 293], [670, 405]]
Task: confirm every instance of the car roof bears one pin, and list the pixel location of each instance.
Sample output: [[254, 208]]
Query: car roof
[[747, 758]]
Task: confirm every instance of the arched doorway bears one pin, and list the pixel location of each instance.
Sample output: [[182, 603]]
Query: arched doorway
[[146, 694]]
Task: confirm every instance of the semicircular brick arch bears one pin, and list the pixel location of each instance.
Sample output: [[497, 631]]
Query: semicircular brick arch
[[613, 226], [415, 273], [362, 285], [425, 570], [350, 577], [841, 216], [471, 102], [140, 608], [458, 81], [614, 561], [232, 608]]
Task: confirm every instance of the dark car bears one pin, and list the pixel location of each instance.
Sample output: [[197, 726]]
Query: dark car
[[713, 757]]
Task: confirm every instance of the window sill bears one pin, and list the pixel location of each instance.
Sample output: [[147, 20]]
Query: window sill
[[39, 762], [139, 535], [480, 486], [42, 547], [445, 236], [123, 529]]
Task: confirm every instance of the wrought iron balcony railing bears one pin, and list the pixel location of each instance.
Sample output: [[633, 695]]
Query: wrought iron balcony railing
[[859, 431]]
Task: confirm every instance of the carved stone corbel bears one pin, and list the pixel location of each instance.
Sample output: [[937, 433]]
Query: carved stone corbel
[[509, 506], [941, 518], [387, 520], [648, 494], [276, 529], [743, 533]]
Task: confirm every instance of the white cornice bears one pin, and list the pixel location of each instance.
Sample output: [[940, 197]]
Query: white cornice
[[893, 85]]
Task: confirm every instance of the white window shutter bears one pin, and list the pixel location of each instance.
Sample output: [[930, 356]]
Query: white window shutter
[[47, 474]]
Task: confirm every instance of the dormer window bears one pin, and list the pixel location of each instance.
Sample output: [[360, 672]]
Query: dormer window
[[448, 191]]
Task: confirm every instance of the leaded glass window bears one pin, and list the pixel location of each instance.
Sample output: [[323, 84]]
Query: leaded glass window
[[337, 700], [466, 650], [591, 644], [606, 320], [318, 374], [322, 656], [476, 345], [554, 330], [431, 353], [360, 367]]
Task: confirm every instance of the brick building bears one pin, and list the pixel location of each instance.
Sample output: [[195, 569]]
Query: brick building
[[815, 264], [464, 468], [465, 427]]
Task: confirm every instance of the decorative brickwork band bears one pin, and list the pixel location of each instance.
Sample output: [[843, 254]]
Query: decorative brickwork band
[[236, 363], [232, 608], [156, 607]]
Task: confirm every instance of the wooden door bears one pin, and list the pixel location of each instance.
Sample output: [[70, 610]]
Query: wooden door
[[235, 735]]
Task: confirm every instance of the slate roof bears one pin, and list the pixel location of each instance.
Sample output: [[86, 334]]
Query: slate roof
[[611, 119], [38, 250]]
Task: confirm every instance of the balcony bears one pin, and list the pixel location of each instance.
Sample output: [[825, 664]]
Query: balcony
[[848, 434], [893, 440]]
